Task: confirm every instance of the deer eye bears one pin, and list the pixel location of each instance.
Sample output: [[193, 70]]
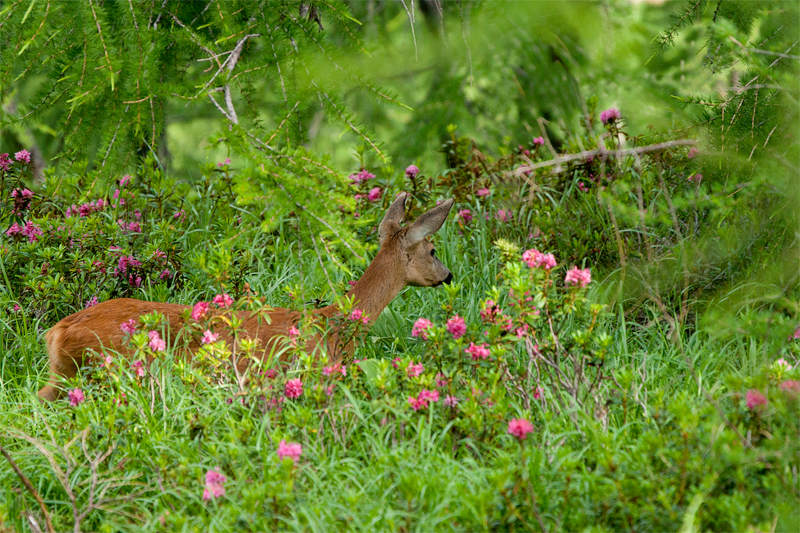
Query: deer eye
[[433, 251]]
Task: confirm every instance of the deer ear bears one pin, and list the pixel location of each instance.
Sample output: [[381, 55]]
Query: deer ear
[[428, 223], [394, 216]]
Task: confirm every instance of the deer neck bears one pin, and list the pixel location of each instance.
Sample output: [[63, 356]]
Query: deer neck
[[379, 285]]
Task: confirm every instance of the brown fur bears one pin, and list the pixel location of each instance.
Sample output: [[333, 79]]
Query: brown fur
[[404, 259]]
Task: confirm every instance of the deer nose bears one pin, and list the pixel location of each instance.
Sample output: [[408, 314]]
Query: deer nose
[[449, 278]]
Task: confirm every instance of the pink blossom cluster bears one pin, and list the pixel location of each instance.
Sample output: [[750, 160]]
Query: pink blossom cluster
[[412, 171], [22, 199], [519, 427], [357, 315], [157, 344], [538, 141], [124, 263], [130, 227], [200, 310], [422, 399], [755, 399], [420, 328], [503, 215], [415, 370], [209, 337], [374, 194], [289, 450], [692, 153], [223, 163], [576, 276], [76, 397], [456, 326], [361, 177], [465, 215], [610, 116], [223, 301], [441, 380], [215, 482], [478, 351], [5, 162], [294, 333], [483, 192], [29, 230], [334, 368], [695, 178], [84, 210], [535, 259], [450, 401], [293, 388], [138, 368], [91, 302], [128, 327], [23, 156], [490, 311], [791, 386]]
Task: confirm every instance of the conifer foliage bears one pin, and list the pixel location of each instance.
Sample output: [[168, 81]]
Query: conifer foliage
[[104, 76]]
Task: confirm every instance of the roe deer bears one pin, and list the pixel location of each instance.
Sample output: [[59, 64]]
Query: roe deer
[[406, 257]]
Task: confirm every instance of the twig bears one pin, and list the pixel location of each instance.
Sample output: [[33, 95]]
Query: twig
[[31, 489], [520, 171]]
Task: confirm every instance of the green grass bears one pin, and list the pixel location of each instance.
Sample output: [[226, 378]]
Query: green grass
[[370, 464]]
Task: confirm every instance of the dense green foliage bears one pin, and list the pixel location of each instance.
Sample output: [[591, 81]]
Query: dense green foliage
[[661, 396]]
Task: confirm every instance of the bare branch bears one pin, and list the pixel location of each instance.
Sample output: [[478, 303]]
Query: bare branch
[[31, 489]]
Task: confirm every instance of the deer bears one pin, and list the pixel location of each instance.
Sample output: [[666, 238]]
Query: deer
[[406, 257]]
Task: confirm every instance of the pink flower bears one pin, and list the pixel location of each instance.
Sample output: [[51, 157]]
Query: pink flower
[[755, 399], [465, 215], [179, 214], [478, 352], [374, 194], [138, 367], [490, 311], [13, 229], [456, 327], [361, 177], [519, 427], [692, 153], [76, 397], [209, 337], [412, 171], [92, 302], [537, 393], [5, 162], [16, 307], [429, 395], [503, 215], [214, 484], [538, 141], [417, 403], [483, 192], [124, 180], [610, 115], [358, 315], [128, 327], [31, 231], [796, 334], [291, 450], [535, 258], [420, 328], [576, 276], [157, 344], [415, 370], [337, 367], [223, 300], [23, 155], [791, 386], [695, 178], [782, 364], [441, 380], [293, 332], [294, 388], [199, 311], [450, 401]]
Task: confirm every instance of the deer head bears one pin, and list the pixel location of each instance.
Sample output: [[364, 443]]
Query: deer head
[[416, 255]]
